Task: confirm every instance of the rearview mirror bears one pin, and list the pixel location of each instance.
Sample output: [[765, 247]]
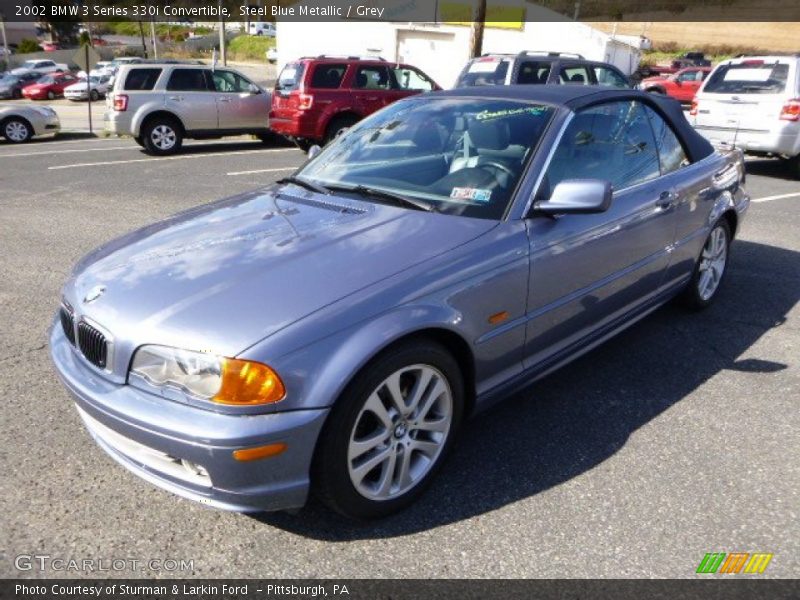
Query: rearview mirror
[[313, 151], [577, 196]]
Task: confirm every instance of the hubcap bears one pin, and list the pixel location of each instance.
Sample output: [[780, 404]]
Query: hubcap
[[16, 131], [712, 263], [400, 432], [163, 137]]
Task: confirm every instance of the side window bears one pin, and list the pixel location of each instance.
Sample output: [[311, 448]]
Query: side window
[[610, 77], [227, 81], [687, 76], [141, 79], [576, 75], [372, 78], [411, 79], [533, 72], [670, 151], [188, 80], [328, 77], [612, 142]]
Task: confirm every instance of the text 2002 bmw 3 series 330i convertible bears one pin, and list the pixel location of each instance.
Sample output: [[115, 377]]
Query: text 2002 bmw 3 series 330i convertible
[[332, 331]]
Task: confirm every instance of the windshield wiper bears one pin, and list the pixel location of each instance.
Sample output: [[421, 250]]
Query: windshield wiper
[[398, 199], [314, 187]]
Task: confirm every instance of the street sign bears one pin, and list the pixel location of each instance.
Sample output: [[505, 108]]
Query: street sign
[[86, 58]]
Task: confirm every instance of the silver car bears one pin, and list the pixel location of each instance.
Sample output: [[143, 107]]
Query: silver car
[[20, 123], [161, 104]]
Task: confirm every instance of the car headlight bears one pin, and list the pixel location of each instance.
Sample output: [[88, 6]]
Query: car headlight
[[208, 376]]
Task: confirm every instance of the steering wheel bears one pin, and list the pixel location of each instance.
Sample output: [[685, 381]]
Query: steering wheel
[[499, 166]]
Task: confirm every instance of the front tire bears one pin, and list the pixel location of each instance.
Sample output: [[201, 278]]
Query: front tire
[[51, 95], [94, 95], [162, 136], [16, 131], [710, 268], [390, 431]]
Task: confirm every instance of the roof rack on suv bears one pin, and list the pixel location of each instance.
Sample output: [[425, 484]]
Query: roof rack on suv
[[366, 57], [550, 53]]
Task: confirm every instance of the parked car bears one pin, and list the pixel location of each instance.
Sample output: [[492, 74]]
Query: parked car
[[81, 90], [262, 28], [21, 123], [682, 86], [332, 331], [161, 104], [688, 59], [40, 66], [11, 85], [101, 68], [539, 68], [315, 99], [49, 87], [753, 103], [50, 46]]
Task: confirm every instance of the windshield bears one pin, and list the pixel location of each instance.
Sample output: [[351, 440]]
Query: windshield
[[29, 64], [748, 78], [463, 156], [484, 71], [46, 80]]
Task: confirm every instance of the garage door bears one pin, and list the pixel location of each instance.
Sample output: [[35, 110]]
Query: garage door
[[433, 52]]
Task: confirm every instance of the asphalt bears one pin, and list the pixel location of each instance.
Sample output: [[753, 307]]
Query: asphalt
[[675, 439]]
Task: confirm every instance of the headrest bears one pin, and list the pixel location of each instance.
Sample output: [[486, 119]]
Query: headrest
[[490, 135]]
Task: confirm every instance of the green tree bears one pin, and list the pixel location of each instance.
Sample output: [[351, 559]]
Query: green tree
[[27, 45]]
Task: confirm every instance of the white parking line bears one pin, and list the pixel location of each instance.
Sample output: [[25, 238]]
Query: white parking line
[[778, 197], [48, 152], [262, 171], [163, 158]]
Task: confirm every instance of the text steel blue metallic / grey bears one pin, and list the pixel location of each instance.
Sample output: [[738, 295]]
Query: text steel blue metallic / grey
[[332, 331]]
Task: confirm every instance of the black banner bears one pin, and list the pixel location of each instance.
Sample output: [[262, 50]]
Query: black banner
[[407, 589], [439, 11]]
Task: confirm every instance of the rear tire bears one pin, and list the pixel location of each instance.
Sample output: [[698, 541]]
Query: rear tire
[[16, 130], [379, 450], [162, 136], [139, 140], [794, 166], [94, 95], [709, 272], [338, 126], [51, 95]]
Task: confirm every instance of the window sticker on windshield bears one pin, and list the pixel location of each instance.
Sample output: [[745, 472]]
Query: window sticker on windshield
[[760, 74], [484, 66], [474, 194], [509, 112]]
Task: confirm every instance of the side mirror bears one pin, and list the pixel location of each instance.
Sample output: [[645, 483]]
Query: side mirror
[[313, 151], [577, 196]]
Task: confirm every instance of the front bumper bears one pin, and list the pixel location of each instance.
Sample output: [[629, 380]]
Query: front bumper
[[151, 436], [46, 126]]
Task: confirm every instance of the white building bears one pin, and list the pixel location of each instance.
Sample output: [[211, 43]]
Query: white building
[[442, 50]]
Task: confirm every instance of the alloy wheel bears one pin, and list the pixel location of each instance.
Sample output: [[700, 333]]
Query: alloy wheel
[[163, 137], [712, 263], [400, 432], [16, 131]]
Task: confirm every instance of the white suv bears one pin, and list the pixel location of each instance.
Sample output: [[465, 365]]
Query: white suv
[[161, 104], [753, 103]]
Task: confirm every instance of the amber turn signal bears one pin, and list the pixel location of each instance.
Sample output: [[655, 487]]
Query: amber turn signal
[[246, 383], [259, 452]]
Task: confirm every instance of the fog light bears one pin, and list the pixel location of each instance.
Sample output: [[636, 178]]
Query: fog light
[[194, 468]]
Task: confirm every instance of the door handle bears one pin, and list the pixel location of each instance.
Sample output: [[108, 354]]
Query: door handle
[[666, 200], [223, 99], [176, 98]]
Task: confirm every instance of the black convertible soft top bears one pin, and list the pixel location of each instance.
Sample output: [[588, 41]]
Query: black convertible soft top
[[575, 97]]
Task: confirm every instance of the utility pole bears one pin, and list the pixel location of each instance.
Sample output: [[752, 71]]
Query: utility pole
[[153, 38], [222, 53], [6, 57], [577, 10], [476, 43]]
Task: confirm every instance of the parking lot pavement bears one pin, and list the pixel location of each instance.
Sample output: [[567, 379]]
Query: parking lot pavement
[[677, 438]]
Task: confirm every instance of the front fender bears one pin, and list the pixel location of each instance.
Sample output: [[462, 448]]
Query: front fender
[[316, 375]]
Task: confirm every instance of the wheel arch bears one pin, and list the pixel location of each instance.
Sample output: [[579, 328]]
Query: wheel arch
[[732, 218], [347, 113], [146, 118]]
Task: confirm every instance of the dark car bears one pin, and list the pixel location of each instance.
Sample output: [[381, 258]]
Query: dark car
[[539, 68], [11, 85], [317, 98], [330, 332]]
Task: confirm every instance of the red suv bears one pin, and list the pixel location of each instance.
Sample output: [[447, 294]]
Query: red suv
[[682, 85], [315, 99]]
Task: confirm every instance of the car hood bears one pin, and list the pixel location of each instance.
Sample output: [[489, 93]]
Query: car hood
[[225, 276]]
